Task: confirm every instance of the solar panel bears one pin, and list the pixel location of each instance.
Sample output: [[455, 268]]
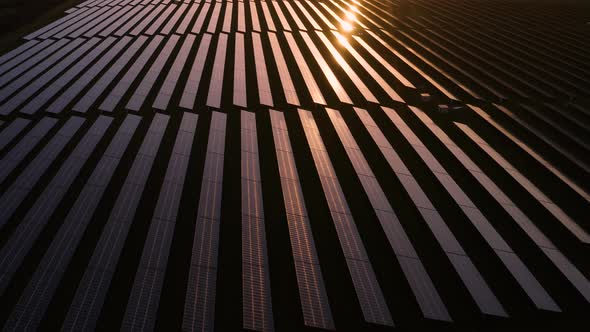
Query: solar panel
[[241, 17], [308, 16], [74, 89], [427, 77], [57, 68], [103, 55], [542, 136], [365, 282], [256, 303], [107, 22], [34, 301], [99, 16], [181, 29], [165, 93], [254, 16], [240, 95], [331, 13], [531, 152], [41, 60], [59, 22], [199, 307], [442, 72], [227, 18], [470, 276], [24, 147], [199, 299], [91, 292], [43, 97], [148, 80], [321, 15], [121, 88], [68, 26], [263, 85], [174, 19], [270, 24], [574, 118], [386, 18], [147, 286], [98, 88], [36, 168], [553, 208], [11, 131], [216, 82], [282, 68], [476, 285], [201, 18], [312, 292], [355, 11], [120, 22], [147, 20], [356, 80], [425, 292], [556, 126], [190, 90], [312, 86], [313, 296], [20, 54], [372, 72], [421, 285], [160, 20], [131, 23], [326, 70], [282, 17], [294, 16], [212, 27]]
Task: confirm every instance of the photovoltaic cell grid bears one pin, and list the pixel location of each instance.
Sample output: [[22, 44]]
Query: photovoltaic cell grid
[[143, 303], [121, 65], [36, 297], [257, 306], [422, 286], [533, 288], [199, 308], [326, 29], [93, 288], [312, 292], [372, 301]]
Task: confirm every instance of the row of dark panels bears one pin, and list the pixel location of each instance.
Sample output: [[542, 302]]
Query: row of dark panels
[[132, 73], [431, 60], [326, 219]]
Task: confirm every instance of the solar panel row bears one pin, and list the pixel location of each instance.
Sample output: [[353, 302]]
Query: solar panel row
[[92, 291], [312, 291], [143, 303], [38, 293], [421, 284], [375, 310], [199, 306], [138, 56], [351, 76], [370, 295], [256, 292]]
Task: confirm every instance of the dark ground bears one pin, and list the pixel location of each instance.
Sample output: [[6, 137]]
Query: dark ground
[[18, 17]]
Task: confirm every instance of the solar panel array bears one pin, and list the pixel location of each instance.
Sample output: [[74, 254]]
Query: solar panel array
[[295, 164]]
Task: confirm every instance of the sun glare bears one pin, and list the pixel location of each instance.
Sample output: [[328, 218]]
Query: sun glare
[[347, 26], [341, 38]]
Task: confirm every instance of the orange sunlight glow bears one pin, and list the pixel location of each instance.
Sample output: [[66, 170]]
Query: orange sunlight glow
[[341, 38], [347, 26]]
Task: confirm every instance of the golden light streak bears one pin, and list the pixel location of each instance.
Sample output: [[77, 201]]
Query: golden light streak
[[347, 26]]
